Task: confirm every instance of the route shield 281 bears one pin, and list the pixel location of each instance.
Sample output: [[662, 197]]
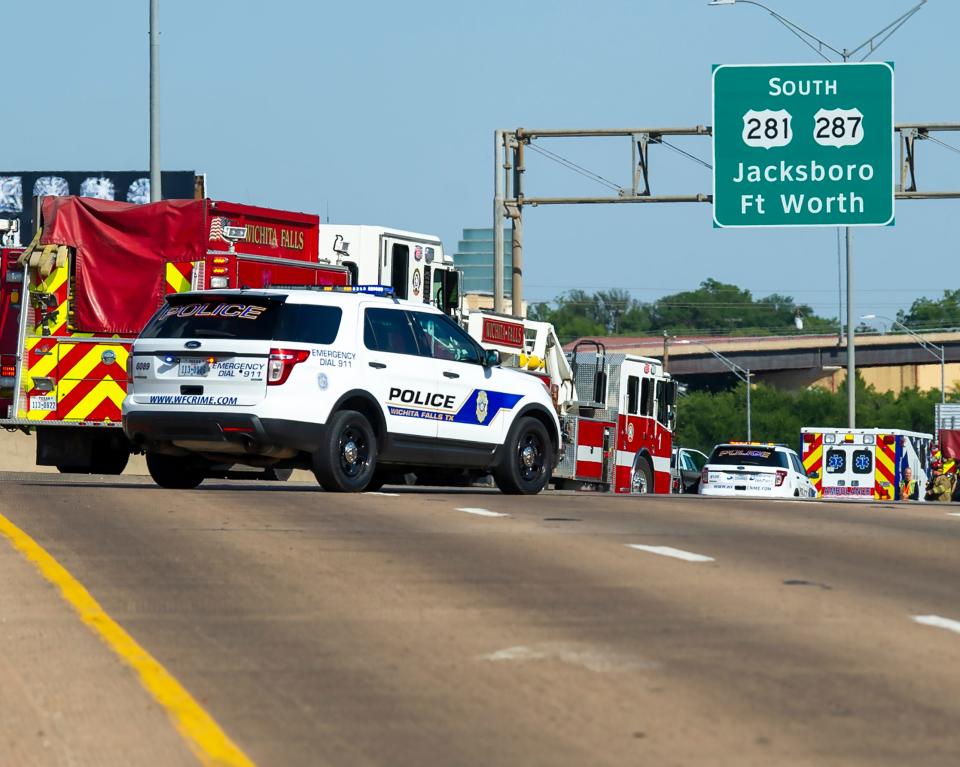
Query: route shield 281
[[803, 145]]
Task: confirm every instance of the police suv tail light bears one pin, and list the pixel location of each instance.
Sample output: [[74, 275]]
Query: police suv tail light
[[781, 475], [129, 371], [704, 476], [282, 362]]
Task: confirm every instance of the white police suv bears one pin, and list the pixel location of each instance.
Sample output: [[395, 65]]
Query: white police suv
[[755, 469], [353, 385]]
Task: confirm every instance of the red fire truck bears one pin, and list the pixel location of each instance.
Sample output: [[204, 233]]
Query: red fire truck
[[91, 279], [617, 411]]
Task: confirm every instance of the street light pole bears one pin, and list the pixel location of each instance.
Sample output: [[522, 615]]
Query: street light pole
[[742, 373], [817, 45], [156, 193], [940, 352]]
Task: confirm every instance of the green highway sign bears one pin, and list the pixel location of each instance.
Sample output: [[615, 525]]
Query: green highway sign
[[803, 145]]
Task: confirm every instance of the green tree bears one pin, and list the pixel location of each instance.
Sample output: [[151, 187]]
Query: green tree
[[944, 313], [714, 307]]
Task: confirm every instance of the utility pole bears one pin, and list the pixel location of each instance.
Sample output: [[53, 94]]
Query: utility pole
[[156, 192]]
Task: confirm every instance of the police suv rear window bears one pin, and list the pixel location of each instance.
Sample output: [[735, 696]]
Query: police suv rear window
[[733, 455], [247, 318]]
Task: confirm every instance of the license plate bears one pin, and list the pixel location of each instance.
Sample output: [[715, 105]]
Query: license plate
[[193, 368], [46, 403]]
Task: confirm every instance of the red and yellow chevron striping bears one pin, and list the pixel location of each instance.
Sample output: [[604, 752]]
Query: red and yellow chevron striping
[[813, 459], [885, 474], [178, 277], [89, 381]]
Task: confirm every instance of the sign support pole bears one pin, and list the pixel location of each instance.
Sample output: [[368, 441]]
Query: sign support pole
[[851, 343]]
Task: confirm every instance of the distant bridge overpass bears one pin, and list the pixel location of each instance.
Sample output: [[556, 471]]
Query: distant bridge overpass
[[890, 362]]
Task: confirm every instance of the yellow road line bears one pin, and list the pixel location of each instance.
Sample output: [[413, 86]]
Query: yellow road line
[[209, 743]]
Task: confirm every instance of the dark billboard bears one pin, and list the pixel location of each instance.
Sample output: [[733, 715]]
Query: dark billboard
[[18, 188]]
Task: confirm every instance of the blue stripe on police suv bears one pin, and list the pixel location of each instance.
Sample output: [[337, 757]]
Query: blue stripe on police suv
[[482, 406]]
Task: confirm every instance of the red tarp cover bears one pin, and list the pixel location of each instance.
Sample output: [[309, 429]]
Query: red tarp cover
[[121, 252], [949, 444]]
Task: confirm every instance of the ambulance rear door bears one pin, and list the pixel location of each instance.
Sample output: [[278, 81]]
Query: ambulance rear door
[[848, 466]]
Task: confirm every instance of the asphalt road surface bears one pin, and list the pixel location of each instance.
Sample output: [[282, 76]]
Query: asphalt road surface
[[471, 628]]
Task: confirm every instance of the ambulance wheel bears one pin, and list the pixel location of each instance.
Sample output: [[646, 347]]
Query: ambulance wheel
[[346, 462], [526, 464], [174, 471], [641, 478], [276, 475]]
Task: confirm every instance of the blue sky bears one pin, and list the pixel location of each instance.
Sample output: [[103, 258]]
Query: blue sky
[[384, 113]]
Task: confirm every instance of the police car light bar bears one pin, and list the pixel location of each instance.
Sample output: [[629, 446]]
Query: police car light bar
[[374, 290]]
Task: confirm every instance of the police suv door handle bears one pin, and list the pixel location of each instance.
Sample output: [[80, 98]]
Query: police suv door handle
[[377, 365], [448, 374]]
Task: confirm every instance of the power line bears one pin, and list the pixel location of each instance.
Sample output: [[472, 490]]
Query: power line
[[576, 168]]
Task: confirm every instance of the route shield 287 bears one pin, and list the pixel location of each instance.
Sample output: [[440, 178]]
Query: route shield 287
[[803, 145]]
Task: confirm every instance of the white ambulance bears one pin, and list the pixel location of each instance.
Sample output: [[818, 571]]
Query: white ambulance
[[864, 464]]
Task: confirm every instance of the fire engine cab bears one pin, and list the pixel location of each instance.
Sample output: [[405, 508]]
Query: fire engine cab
[[91, 279]]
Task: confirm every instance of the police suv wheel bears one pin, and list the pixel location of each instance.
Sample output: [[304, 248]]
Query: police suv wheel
[[347, 460], [527, 459], [174, 472]]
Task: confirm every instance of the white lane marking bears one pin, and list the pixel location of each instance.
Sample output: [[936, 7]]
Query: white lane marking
[[592, 658], [938, 622], [482, 512], [390, 495], [669, 551], [953, 513]]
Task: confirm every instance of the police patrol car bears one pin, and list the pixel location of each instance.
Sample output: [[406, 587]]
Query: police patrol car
[[757, 469], [354, 385]]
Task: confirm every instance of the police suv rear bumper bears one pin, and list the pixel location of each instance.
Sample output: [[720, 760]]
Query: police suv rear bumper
[[152, 430]]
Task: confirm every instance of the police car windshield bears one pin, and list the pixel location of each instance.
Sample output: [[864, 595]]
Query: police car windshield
[[747, 455], [248, 318]]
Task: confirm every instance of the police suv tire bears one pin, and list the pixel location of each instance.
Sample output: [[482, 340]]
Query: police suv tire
[[174, 472], [346, 462], [527, 460]]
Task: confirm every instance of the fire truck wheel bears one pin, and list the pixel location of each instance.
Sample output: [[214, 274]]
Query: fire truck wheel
[[347, 461], [276, 475], [110, 460], [174, 472], [641, 478], [526, 465]]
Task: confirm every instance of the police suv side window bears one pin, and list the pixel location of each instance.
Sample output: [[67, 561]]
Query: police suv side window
[[441, 338], [388, 330]]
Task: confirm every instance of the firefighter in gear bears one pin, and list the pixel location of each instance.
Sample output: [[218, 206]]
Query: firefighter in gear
[[909, 487], [941, 486]]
